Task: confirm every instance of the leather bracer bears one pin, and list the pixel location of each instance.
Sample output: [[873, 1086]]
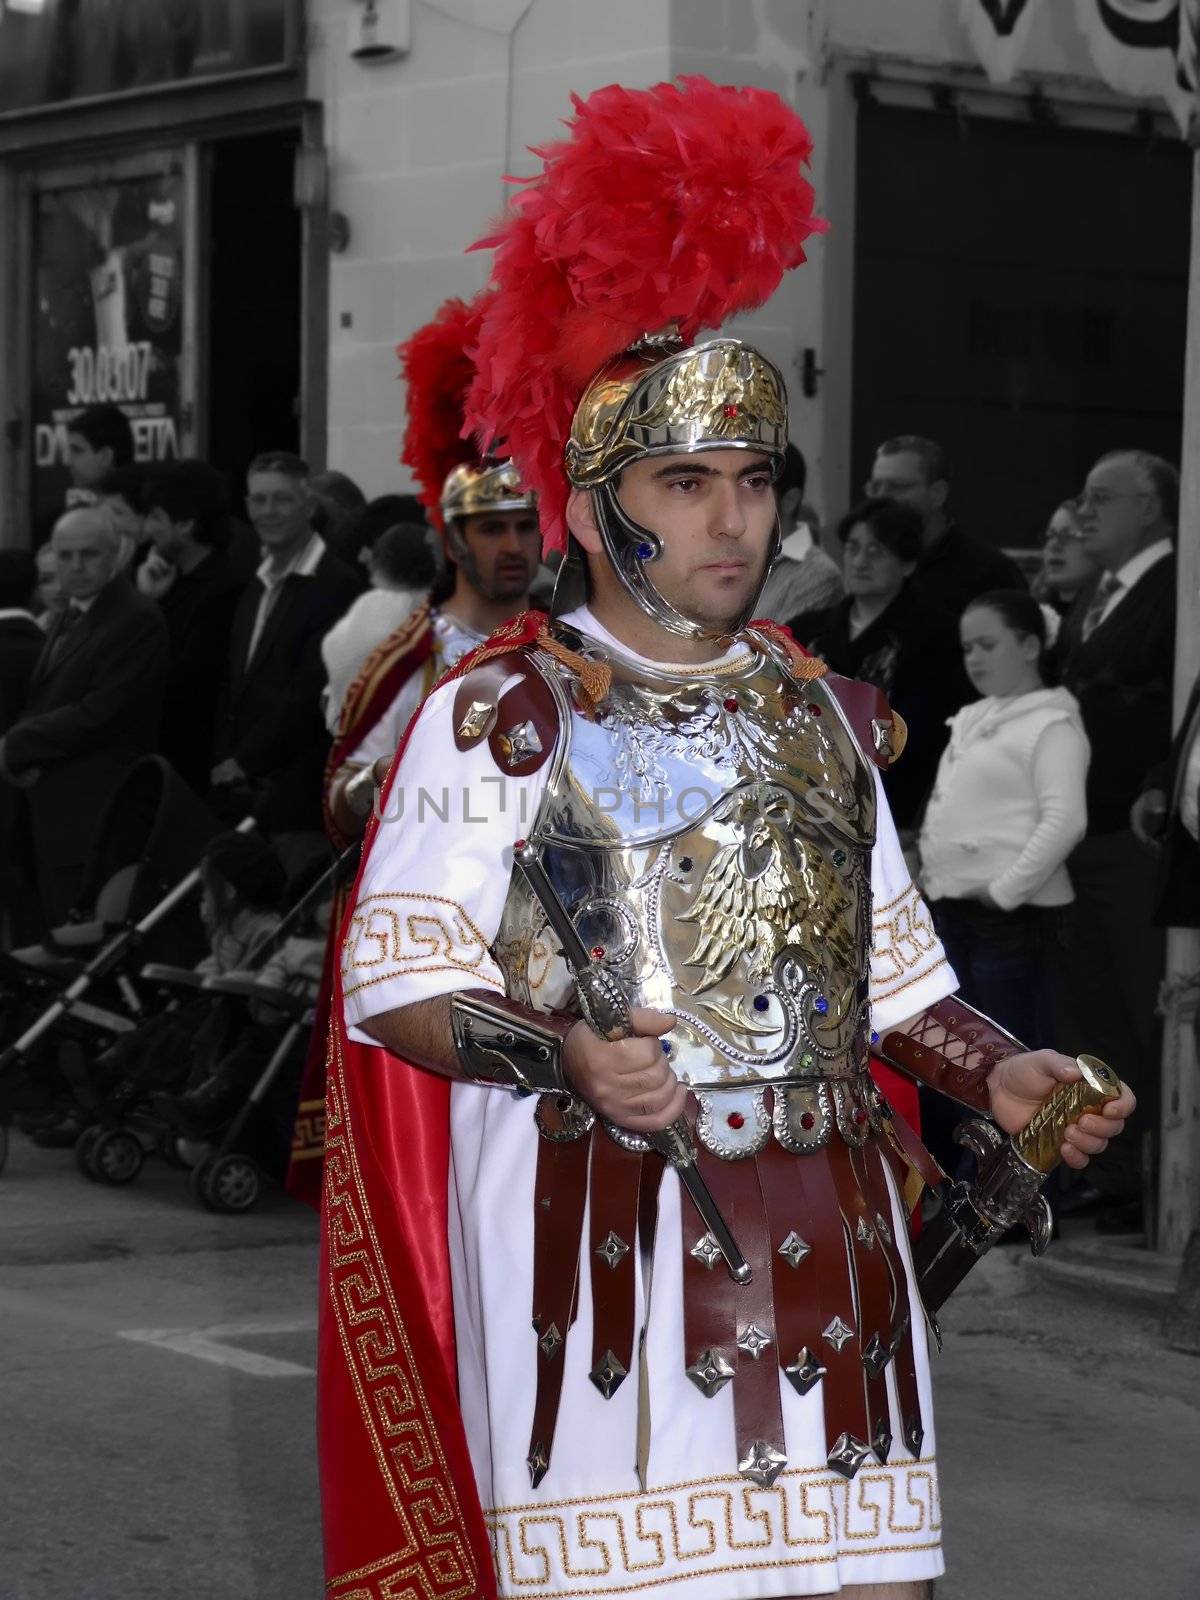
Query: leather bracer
[[502, 1042], [951, 1048]]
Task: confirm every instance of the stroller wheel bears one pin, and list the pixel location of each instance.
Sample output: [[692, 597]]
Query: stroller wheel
[[84, 1146], [168, 1147], [229, 1183], [116, 1157]]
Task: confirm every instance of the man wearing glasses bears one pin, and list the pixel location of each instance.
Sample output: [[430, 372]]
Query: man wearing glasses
[[955, 567], [1119, 663]]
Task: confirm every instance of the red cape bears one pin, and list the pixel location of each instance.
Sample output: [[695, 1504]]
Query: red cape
[[400, 1507], [380, 679]]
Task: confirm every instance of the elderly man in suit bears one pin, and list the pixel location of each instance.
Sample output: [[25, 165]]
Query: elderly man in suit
[[271, 737], [1119, 663], [93, 704]]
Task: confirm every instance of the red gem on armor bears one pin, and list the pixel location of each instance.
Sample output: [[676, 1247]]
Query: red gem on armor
[[520, 844], [597, 952], [808, 1121], [732, 703], [735, 1119], [731, 410], [813, 709], [860, 1116]]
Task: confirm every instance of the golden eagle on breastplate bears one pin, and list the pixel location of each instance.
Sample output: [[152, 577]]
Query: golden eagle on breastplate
[[763, 894]]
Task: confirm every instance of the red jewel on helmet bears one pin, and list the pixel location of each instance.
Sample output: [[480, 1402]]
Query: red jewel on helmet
[[520, 844], [597, 952], [860, 1116], [808, 1121], [813, 709], [731, 410], [732, 703], [735, 1119]]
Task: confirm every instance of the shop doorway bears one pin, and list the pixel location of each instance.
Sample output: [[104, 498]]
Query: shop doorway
[[252, 396], [1020, 296]]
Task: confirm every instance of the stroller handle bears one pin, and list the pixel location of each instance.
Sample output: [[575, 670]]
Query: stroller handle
[[107, 957]]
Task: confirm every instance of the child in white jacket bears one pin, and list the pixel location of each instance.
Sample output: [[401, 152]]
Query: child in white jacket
[[1007, 809]]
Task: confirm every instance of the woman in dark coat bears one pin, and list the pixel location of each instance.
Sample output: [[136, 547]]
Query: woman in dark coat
[[884, 634]]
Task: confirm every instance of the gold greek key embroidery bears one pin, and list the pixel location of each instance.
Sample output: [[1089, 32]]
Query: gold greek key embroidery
[[433, 1560], [438, 937], [612, 1544], [904, 946], [308, 1134]]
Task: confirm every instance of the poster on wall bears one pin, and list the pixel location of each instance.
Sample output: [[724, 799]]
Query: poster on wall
[[108, 324], [54, 52]]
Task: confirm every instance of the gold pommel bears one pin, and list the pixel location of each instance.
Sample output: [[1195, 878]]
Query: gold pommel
[[1040, 1141], [472, 491], [718, 395]]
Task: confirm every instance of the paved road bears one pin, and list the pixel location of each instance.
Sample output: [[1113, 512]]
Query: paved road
[[157, 1421]]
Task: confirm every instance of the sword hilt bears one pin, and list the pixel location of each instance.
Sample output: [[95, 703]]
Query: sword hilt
[[1039, 1143]]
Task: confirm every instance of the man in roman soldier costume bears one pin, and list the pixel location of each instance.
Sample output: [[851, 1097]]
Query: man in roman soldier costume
[[617, 1292], [489, 524], [489, 527]]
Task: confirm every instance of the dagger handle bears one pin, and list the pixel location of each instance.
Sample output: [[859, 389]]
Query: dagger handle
[[1039, 1143]]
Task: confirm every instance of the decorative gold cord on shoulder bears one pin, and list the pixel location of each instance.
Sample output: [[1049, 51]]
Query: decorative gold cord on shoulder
[[595, 677]]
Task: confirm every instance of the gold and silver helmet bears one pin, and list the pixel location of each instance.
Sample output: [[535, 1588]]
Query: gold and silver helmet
[[664, 398], [472, 491]]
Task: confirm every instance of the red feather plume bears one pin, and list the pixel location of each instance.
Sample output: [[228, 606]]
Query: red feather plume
[[685, 203], [438, 369]]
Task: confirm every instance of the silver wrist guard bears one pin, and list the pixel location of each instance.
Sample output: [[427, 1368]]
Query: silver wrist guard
[[359, 792], [499, 1041]]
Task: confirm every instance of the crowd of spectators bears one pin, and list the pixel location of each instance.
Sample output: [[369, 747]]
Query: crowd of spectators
[[1038, 782]]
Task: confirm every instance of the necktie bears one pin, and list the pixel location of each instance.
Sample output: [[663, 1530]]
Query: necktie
[[1105, 589], [70, 619]]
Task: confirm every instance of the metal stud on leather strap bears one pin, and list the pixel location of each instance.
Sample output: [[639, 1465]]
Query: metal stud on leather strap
[[848, 1454], [805, 1372], [876, 1356], [538, 1462], [794, 1249], [612, 1249], [710, 1372], [762, 1463], [753, 1341], [881, 1442], [608, 1375], [551, 1341], [706, 1251], [837, 1333], [914, 1435]]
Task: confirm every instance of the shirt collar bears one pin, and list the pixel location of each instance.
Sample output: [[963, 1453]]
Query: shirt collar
[[302, 565], [798, 543], [1137, 566]]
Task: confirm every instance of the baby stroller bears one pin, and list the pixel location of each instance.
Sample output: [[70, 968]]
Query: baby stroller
[[66, 1000], [227, 1161]]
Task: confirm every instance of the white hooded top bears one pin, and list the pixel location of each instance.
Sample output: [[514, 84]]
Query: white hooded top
[[1008, 805]]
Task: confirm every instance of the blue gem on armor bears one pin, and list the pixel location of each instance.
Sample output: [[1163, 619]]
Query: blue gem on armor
[[666, 1047], [874, 1037], [644, 551], [839, 858], [821, 1005], [761, 1002]]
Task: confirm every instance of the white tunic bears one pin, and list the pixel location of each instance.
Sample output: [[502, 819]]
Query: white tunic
[[430, 903]]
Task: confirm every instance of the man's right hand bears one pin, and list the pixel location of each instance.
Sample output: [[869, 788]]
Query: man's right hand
[[628, 1081], [1148, 819]]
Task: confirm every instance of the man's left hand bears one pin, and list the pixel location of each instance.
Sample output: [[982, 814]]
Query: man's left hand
[[1019, 1086]]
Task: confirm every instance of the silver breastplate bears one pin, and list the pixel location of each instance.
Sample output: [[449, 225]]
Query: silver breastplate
[[711, 835]]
